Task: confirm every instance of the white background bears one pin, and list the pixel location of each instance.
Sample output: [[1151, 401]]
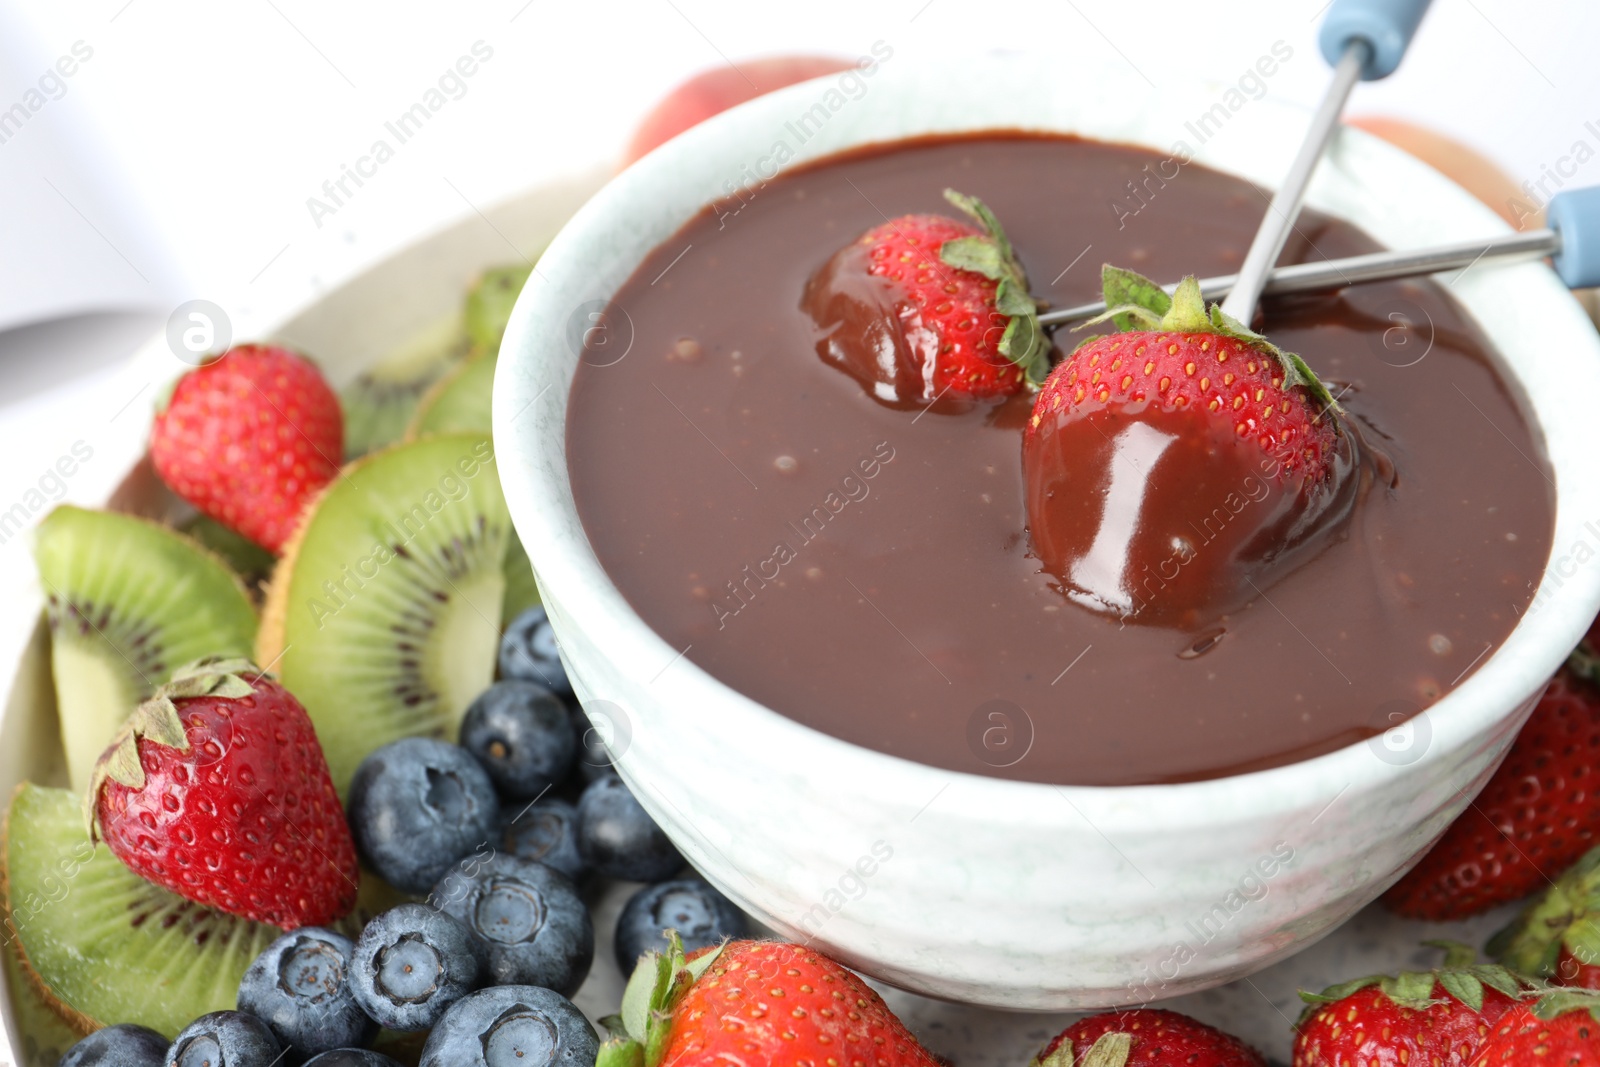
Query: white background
[[221, 119]]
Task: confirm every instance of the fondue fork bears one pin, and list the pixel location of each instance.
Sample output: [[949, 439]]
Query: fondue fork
[[1572, 241], [1364, 40]]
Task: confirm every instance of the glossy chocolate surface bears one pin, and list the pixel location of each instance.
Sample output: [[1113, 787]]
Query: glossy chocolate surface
[[865, 569]]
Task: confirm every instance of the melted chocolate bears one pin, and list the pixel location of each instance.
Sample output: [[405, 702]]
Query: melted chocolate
[[866, 570]]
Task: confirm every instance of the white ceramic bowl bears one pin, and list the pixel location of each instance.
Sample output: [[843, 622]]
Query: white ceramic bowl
[[1001, 892]]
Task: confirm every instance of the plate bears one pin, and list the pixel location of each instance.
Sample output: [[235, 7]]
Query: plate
[[356, 323]]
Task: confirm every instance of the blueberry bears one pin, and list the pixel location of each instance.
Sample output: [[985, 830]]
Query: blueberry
[[618, 837], [512, 1026], [594, 759], [351, 1057], [701, 915], [410, 964], [416, 807], [123, 1045], [526, 917], [300, 987], [546, 831], [231, 1038], [523, 736], [528, 651]]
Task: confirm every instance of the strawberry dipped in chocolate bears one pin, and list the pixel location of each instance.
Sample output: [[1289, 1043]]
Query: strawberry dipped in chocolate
[[928, 306], [1175, 468]]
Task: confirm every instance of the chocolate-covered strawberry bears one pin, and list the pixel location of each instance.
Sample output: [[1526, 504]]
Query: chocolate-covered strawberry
[[926, 306], [1178, 466], [217, 789]]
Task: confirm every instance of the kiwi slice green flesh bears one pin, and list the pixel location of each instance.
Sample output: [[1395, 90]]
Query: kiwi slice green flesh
[[40, 1031], [128, 602], [384, 615], [244, 557], [489, 303], [460, 401], [379, 403], [100, 943]]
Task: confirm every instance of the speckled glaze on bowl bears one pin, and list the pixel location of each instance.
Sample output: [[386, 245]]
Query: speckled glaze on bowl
[[985, 890]]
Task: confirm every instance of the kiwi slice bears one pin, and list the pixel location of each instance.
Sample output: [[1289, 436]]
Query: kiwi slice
[[384, 614], [522, 592], [100, 943], [460, 403], [248, 560], [489, 303], [40, 1031], [128, 602], [379, 404], [96, 944]]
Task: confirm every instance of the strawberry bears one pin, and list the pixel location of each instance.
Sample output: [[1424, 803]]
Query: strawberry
[[1436, 1018], [216, 789], [1560, 1029], [1174, 469], [754, 1004], [1557, 936], [249, 438], [1537, 815], [1145, 1037], [926, 305]]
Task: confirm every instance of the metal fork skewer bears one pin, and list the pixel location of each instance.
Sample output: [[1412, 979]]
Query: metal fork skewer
[[1285, 205], [1373, 266]]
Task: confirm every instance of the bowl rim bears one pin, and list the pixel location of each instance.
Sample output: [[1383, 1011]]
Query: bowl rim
[[1500, 688]]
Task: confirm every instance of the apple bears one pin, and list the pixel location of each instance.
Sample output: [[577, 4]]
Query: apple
[[716, 90]]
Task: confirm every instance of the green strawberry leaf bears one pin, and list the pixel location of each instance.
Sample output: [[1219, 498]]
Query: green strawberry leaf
[[1335, 993], [1464, 987], [978, 254], [620, 1053], [1111, 1050], [1413, 989], [991, 256], [1499, 978], [1559, 1002], [980, 213], [1187, 314], [1129, 287], [1060, 1056]]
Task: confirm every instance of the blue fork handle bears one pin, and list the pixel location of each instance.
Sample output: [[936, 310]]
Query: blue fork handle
[[1575, 215], [1386, 26]]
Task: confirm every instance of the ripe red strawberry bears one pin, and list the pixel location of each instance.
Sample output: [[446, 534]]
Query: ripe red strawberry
[[1557, 936], [1174, 469], [249, 438], [1145, 1037], [1434, 1018], [926, 305], [217, 789], [754, 1004], [1560, 1029], [1538, 814]]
